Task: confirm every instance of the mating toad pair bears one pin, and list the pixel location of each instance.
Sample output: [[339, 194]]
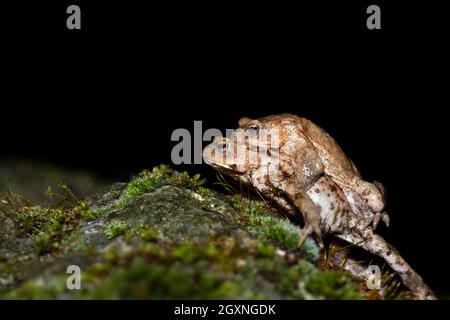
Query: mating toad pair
[[307, 172]]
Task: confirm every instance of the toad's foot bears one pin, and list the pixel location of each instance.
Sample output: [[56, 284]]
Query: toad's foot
[[311, 216], [374, 220], [380, 216], [311, 229]]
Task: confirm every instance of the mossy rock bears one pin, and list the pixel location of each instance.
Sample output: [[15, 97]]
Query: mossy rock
[[162, 236], [17, 253]]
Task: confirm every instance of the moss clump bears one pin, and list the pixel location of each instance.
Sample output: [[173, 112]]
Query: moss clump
[[325, 285], [37, 220], [83, 211], [147, 233], [48, 226], [73, 242], [115, 228], [149, 181], [266, 250], [188, 253], [222, 269], [142, 280], [269, 227], [40, 288]]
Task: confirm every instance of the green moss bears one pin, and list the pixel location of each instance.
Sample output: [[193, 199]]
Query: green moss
[[149, 181], [143, 281], [266, 250], [269, 227], [46, 225], [147, 233], [188, 253], [73, 242], [115, 228], [49, 226], [84, 212], [327, 285], [40, 288], [222, 269], [37, 220], [102, 210]]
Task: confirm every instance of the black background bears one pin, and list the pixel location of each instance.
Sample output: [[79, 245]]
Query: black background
[[108, 97], [286, 309]]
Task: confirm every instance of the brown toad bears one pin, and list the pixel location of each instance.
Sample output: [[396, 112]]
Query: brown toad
[[283, 163]]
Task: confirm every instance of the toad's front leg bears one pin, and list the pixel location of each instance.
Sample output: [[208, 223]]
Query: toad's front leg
[[302, 202], [310, 212]]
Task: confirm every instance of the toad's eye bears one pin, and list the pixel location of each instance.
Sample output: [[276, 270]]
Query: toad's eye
[[221, 146], [253, 129]]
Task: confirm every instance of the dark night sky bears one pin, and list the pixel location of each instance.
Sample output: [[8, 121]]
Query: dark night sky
[[109, 97]]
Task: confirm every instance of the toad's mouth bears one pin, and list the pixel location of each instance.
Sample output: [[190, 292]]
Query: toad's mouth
[[230, 169]]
